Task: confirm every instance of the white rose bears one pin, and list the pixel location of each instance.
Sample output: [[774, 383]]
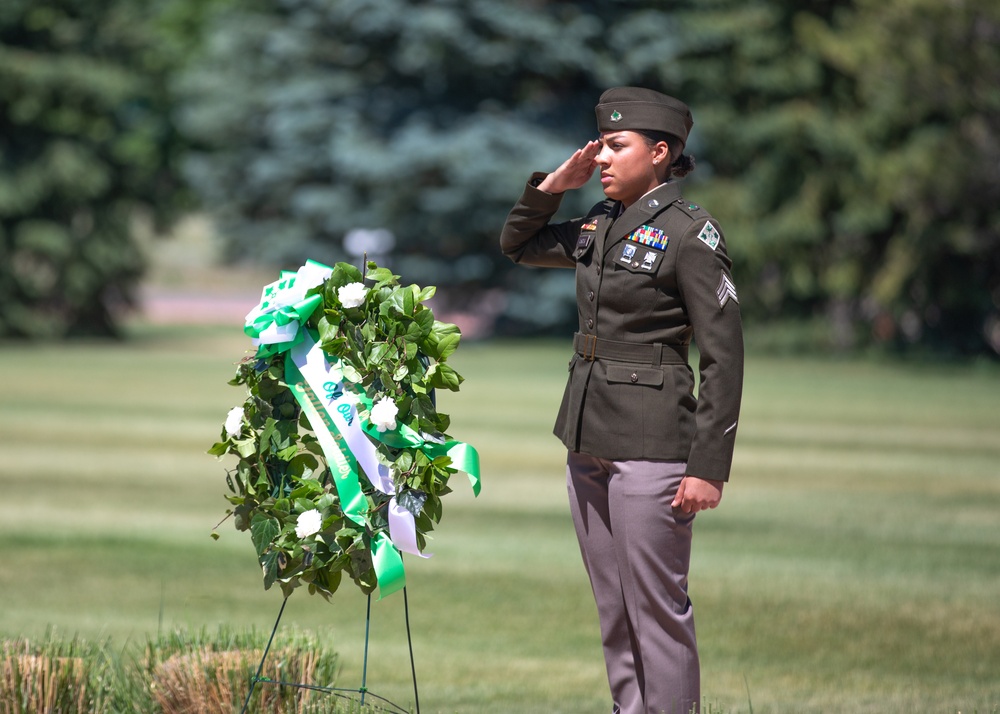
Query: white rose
[[234, 422], [308, 523], [384, 413], [352, 294]]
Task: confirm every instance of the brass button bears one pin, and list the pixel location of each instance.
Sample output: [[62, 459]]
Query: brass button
[[590, 323], [590, 296], [635, 377]]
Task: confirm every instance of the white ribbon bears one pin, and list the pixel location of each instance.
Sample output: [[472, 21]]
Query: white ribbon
[[288, 290], [326, 381]]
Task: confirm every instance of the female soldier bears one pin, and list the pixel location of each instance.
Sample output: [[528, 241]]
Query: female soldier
[[645, 454]]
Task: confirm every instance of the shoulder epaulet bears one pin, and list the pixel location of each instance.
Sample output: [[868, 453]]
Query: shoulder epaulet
[[690, 209]]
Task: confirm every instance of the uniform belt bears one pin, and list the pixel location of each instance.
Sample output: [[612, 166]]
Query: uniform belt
[[591, 347]]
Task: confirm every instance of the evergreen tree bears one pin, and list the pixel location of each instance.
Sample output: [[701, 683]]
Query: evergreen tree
[[424, 118], [854, 157], [849, 148], [85, 138]]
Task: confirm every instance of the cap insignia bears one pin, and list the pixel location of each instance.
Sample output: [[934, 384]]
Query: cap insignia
[[616, 116]]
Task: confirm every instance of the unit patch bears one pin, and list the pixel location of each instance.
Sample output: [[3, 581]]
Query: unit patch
[[709, 236], [726, 291], [650, 237]]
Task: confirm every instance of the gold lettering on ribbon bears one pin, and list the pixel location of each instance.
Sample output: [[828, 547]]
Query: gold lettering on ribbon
[[343, 468]]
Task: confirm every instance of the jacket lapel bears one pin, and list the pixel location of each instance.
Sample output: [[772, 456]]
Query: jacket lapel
[[640, 213], [604, 222]]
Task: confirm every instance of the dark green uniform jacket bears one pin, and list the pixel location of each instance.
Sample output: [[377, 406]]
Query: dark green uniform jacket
[[647, 280]]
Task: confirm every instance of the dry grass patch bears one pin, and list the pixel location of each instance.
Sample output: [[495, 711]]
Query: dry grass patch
[[41, 683]]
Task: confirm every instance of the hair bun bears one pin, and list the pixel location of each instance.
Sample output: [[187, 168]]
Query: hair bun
[[682, 166]]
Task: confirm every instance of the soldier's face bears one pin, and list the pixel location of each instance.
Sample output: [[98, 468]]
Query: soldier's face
[[626, 164]]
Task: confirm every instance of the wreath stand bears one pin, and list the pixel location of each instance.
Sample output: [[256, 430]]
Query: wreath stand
[[384, 704]]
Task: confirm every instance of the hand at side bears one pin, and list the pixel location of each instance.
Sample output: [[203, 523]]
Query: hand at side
[[696, 494]]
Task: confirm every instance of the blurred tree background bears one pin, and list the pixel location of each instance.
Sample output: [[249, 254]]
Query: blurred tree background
[[851, 150], [86, 143]]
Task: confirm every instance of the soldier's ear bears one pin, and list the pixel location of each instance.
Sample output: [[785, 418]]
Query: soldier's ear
[[661, 153]]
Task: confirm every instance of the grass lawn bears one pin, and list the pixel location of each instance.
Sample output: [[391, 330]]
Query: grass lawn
[[854, 565]]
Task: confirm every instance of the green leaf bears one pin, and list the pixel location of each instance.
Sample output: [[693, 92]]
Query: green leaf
[[381, 276], [394, 303], [247, 447], [266, 433], [352, 374], [302, 505], [333, 578], [415, 332], [413, 501], [442, 341], [405, 461], [263, 529], [401, 372], [343, 273], [219, 448], [445, 377], [269, 565], [426, 318], [241, 515], [447, 345], [377, 352], [409, 300], [328, 328]]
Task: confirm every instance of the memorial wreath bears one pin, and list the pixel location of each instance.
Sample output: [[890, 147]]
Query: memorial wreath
[[343, 456]]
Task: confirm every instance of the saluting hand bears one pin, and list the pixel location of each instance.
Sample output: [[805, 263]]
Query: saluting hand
[[574, 172], [697, 494]]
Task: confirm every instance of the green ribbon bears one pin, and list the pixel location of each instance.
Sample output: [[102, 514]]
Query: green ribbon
[[386, 559], [276, 329], [464, 457]]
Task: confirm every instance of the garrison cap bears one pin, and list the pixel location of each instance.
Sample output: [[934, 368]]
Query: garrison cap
[[637, 109]]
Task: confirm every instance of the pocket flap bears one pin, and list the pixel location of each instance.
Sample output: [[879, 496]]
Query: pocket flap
[[648, 376]]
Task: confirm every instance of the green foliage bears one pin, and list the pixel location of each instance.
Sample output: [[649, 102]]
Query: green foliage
[[854, 163], [321, 116], [389, 347], [85, 140], [849, 149]]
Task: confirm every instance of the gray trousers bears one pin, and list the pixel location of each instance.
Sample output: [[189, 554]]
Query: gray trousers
[[637, 550]]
